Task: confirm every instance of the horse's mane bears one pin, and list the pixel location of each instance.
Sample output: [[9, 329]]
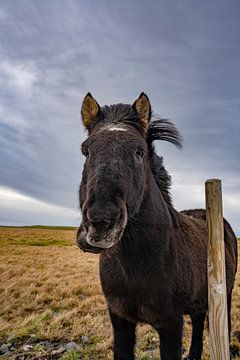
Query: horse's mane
[[162, 129], [159, 129]]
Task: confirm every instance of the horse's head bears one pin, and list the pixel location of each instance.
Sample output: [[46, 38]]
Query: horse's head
[[114, 175], [119, 158]]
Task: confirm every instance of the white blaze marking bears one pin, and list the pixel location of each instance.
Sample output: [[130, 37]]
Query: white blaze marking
[[116, 129]]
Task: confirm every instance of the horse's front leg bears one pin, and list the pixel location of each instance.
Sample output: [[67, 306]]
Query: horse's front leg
[[171, 340], [124, 337]]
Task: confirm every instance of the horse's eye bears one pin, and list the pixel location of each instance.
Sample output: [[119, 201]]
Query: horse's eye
[[139, 153], [85, 151]]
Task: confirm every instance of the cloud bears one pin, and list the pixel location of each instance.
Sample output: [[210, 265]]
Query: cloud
[[17, 208], [3, 14], [18, 76], [13, 119]]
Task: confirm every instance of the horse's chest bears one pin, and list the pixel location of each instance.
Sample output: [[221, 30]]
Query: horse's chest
[[137, 311], [139, 304], [136, 298]]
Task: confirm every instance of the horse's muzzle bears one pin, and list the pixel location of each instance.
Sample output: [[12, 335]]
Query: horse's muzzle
[[102, 226]]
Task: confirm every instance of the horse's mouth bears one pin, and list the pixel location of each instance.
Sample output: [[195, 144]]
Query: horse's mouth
[[104, 239], [83, 244]]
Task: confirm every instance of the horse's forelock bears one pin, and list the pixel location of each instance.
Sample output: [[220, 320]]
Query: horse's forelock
[[122, 113]]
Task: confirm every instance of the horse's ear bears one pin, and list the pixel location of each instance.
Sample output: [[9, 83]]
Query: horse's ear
[[90, 109], [143, 107]]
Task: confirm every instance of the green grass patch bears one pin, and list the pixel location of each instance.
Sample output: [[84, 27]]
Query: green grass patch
[[40, 227], [37, 236]]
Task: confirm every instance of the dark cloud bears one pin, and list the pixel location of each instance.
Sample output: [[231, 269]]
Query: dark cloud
[[184, 55]]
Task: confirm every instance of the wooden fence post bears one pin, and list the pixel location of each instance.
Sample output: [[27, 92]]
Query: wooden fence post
[[217, 297]]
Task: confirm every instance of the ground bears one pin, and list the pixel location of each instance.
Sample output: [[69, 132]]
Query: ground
[[52, 305]]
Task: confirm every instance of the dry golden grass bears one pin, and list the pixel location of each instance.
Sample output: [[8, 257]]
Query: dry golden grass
[[53, 293]]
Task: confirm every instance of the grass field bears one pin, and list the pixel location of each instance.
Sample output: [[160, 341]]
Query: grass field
[[50, 291]]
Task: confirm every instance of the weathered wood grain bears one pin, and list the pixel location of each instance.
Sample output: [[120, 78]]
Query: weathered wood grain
[[217, 299]]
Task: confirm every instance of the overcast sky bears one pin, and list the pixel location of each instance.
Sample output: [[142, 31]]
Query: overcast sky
[[184, 54]]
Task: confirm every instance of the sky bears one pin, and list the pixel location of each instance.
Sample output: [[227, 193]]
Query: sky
[[184, 54]]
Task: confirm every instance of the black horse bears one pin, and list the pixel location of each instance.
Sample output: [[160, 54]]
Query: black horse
[[153, 262]]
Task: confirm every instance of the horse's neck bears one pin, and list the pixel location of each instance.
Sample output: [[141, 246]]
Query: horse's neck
[[144, 249], [151, 228]]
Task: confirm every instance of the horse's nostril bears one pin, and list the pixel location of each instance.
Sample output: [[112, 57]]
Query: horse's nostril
[[102, 220], [100, 224]]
